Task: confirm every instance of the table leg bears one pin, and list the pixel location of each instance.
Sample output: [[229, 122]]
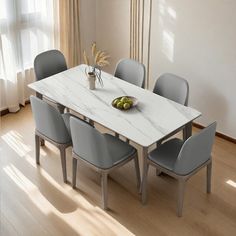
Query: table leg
[[91, 122], [60, 108], [187, 131], [40, 96], [144, 169], [42, 142]]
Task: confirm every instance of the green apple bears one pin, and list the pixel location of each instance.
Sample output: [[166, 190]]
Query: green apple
[[120, 105], [126, 106], [115, 102], [124, 99]]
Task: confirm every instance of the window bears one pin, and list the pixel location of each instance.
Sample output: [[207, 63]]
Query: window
[[27, 27]]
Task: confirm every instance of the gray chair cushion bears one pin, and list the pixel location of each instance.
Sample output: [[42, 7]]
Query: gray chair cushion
[[167, 154]]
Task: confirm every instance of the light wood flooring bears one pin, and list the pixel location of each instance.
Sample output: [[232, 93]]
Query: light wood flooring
[[35, 201]]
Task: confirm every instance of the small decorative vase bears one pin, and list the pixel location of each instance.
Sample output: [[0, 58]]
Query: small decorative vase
[[91, 79]]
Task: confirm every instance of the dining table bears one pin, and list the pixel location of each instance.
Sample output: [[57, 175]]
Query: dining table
[[152, 120]]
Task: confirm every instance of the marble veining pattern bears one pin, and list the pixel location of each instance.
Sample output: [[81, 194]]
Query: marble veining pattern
[[153, 118]]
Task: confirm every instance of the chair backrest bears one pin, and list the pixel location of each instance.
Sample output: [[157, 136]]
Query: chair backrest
[[49, 121], [172, 87], [131, 71], [89, 144], [49, 63], [195, 151]]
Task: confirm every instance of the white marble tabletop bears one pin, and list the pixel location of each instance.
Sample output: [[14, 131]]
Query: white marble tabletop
[[154, 117]]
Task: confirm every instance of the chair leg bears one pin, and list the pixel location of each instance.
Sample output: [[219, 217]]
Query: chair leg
[[104, 190], [63, 163], [209, 170], [74, 172], [137, 172], [144, 184], [181, 189], [37, 148], [42, 142]]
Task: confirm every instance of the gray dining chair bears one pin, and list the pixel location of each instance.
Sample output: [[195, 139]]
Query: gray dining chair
[[53, 127], [131, 71], [172, 87], [102, 152], [47, 64], [182, 159]]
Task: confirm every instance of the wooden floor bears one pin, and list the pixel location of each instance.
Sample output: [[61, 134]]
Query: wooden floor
[[35, 201]]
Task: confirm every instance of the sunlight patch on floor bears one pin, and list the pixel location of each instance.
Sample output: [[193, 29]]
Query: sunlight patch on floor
[[231, 183], [95, 218], [15, 141], [28, 187]]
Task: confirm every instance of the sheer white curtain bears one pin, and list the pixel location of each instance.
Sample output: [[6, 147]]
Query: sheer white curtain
[[27, 27]]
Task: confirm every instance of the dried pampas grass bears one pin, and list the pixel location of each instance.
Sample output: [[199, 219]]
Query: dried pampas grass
[[100, 58]]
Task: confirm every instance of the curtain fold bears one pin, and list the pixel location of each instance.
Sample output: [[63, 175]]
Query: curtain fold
[[136, 29], [70, 42], [140, 33], [26, 29]]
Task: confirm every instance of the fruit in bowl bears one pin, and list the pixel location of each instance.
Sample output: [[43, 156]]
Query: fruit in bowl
[[124, 103]]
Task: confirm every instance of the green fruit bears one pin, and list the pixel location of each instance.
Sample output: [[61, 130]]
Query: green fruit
[[120, 105], [126, 106], [115, 102], [130, 102], [124, 99]]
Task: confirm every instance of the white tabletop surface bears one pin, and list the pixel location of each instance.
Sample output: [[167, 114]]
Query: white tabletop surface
[[152, 119]]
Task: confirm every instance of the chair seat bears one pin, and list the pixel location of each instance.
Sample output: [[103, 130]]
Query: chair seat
[[166, 154]]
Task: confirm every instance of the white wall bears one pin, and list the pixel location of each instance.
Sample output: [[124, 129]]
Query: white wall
[[87, 24], [196, 40], [113, 29], [107, 23]]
